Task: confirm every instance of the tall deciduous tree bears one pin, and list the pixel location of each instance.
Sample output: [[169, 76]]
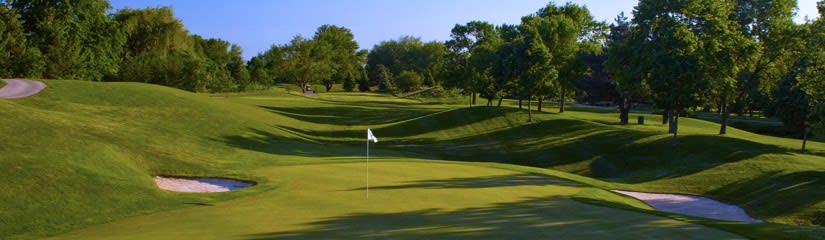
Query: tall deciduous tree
[[811, 79], [344, 58], [625, 65], [568, 32], [460, 72], [408, 54], [770, 24], [306, 61], [670, 52], [724, 51], [533, 62], [77, 38], [17, 58]]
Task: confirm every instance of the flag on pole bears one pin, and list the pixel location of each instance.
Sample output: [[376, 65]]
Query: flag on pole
[[370, 136]]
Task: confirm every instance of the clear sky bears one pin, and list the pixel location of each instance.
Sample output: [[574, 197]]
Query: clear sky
[[257, 24]]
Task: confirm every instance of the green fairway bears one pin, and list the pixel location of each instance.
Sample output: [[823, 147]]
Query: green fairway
[[78, 160], [406, 200]]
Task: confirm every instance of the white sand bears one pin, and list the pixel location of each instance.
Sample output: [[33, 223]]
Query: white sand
[[199, 184], [17, 88], [693, 206]]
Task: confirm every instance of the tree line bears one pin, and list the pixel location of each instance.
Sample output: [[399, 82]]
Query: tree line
[[731, 56], [79, 39]]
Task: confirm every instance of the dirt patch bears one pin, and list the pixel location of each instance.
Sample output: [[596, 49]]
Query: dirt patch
[[199, 184], [692, 206]]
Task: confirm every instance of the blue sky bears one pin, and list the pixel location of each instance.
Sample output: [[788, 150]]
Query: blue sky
[[257, 24]]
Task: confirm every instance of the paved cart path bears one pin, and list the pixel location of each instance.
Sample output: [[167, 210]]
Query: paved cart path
[[18, 88]]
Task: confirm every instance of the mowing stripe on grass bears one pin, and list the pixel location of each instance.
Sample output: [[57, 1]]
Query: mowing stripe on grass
[[407, 200]]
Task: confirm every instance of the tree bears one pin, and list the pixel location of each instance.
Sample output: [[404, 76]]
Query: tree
[[264, 68], [670, 52], [78, 39], [157, 48], [407, 54], [483, 59], [569, 31], [790, 99], [408, 81], [460, 72], [533, 62], [625, 65], [432, 62], [770, 24], [811, 79], [344, 58], [17, 58], [306, 61], [238, 69], [724, 52], [383, 77]]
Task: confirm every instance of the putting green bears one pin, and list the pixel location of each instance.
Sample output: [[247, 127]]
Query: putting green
[[406, 200]]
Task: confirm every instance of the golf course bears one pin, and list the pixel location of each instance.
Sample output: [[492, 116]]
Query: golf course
[[79, 160]]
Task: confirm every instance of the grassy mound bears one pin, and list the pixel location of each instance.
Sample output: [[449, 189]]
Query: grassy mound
[[588, 143], [82, 153]]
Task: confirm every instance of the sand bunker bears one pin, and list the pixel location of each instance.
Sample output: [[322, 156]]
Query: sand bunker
[[199, 184], [693, 206]]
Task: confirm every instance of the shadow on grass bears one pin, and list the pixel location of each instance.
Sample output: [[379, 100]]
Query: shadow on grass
[[482, 182], [532, 218], [776, 193], [751, 231], [350, 115], [581, 147]]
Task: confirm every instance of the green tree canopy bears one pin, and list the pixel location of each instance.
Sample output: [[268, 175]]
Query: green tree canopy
[[78, 39]]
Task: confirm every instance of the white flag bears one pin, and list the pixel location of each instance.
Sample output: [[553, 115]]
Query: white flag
[[370, 136]]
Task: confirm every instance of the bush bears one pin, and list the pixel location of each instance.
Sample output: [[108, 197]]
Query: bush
[[408, 81]]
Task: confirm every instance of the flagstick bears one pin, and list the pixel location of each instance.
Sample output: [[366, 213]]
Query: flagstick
[[368, 168]]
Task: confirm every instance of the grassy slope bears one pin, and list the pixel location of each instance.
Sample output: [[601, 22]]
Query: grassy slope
[[106, 140], [82, 153], [766, 175]]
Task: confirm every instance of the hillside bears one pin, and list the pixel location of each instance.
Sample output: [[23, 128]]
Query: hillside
[[80, 154]]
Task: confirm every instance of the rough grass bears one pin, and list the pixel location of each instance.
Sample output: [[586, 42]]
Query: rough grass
[[81, 154]]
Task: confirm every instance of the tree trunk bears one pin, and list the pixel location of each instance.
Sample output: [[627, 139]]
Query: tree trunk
[[624, 111], [474, 98], [529, 110], [489, 102], [561, 101], [723, 106], [674, 122], [665, 116], [471, 99], [499, 101], [541, 100], [328, 86], [520, 100], [805, 137]]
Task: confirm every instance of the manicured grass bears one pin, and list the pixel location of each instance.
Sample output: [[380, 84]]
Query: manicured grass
[[420, 200], [638, 157], [81, 154]]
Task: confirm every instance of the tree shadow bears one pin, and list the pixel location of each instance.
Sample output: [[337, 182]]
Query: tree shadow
[[778, 193], [349, 115], [482, 182], [585, 148], [532, 218]]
